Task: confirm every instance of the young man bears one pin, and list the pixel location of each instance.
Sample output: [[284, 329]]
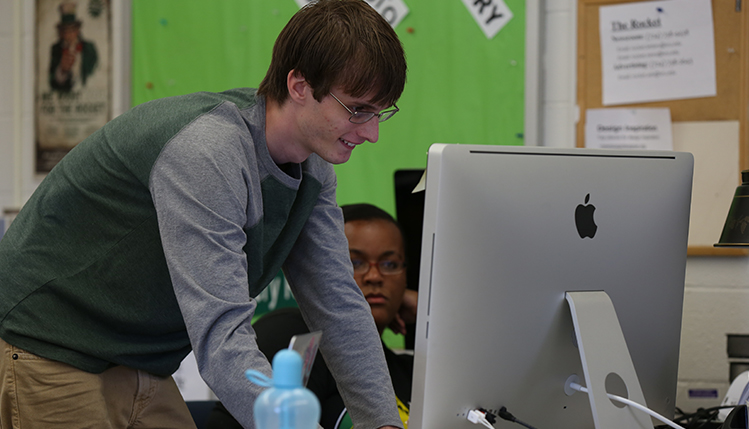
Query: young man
[[377, 252], [153, 235]]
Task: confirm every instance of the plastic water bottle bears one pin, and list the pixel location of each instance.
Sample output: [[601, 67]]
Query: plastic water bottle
[[286, 404]]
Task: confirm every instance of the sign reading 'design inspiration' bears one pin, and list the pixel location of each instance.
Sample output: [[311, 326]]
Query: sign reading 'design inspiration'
[[490, 15], [657, 50], [392, 10], [629, 129]]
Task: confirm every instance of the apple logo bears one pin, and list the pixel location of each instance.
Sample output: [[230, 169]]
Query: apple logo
[[586, 226]]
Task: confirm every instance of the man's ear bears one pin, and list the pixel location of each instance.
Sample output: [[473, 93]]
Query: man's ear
[[297, 86]]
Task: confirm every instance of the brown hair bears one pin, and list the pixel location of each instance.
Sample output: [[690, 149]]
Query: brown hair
[[338, 42]]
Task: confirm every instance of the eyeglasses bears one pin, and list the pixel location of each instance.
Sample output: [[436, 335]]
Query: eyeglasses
[[387, 267], [360, 116]]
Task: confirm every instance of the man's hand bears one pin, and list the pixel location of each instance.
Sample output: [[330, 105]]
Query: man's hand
[[67, 61], [407, 312]]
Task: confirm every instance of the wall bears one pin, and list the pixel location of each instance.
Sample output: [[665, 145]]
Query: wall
[[455, 76], [717, 288], [16, 178]]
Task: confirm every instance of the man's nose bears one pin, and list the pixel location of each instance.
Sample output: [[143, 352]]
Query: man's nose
[[370, 130]]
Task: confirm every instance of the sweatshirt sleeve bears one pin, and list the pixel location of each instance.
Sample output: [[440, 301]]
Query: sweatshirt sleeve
[[199, 186], [320, 275]]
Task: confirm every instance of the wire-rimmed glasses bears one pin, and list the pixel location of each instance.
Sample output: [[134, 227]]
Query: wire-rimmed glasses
[[361, 116]]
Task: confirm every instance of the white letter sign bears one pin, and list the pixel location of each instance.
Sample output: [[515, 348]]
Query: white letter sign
[[490, 15]]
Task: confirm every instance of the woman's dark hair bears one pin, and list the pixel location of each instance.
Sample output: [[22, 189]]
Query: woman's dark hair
[[363, 211]]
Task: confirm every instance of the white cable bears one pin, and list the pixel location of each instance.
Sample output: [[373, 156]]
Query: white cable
[[631, 403], [644, 409]]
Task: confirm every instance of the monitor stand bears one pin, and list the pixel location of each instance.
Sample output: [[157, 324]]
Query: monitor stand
[[606, 362]]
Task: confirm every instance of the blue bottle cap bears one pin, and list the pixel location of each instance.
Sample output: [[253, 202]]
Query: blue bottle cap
[[287, 369]]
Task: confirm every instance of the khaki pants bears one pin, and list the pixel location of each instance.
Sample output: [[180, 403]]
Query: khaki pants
[[40, 393]]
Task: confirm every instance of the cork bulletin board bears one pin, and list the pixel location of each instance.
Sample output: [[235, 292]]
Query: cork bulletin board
[[713, 129]]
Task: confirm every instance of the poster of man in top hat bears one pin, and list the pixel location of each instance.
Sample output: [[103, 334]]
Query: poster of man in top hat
[[73, 58], [72, 84]]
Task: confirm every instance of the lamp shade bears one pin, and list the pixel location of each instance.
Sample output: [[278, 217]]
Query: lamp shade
[[736, 229]]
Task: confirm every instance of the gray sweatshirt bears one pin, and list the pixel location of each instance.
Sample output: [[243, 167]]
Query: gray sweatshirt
[[155, 234]]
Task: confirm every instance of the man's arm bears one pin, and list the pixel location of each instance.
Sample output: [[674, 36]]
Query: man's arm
[[201, 197], [320, 274]]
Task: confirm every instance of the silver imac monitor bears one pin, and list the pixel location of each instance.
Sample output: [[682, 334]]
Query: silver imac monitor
[[508, 232]]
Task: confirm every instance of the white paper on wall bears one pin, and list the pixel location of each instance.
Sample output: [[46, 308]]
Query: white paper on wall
[[628, 129], [715, 146], [657, 50]]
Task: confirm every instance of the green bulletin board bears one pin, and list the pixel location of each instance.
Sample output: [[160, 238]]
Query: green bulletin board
[[461, 88]]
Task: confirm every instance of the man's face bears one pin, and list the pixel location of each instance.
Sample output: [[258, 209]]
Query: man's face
[[373, 241], [328, 132], [69, 33]]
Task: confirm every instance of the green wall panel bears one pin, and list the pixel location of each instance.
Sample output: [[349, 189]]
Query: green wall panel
[[462, 87]]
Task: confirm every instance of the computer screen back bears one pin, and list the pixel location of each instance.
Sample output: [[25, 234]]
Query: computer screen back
[[501, 246]]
